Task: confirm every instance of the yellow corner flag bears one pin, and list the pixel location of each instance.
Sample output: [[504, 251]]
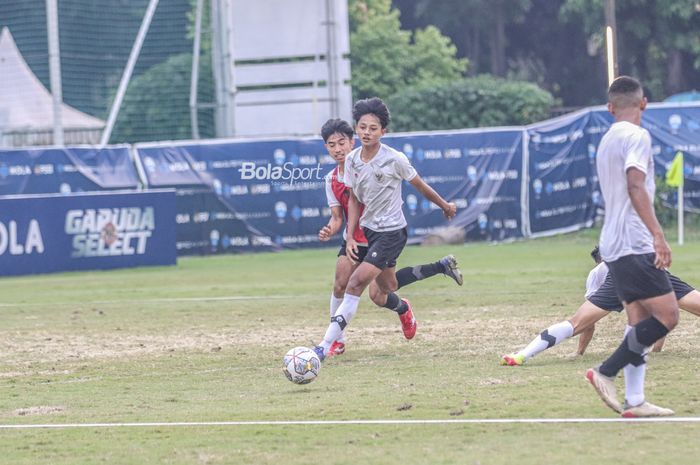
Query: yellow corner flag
[[674, 175]]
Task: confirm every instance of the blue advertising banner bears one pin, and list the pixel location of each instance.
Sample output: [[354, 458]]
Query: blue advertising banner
[[507, 182], [274, 191], [563, 191], [205, 225], [48, 233], [675, 130], [66, 170], [562, 176], [479, 170]]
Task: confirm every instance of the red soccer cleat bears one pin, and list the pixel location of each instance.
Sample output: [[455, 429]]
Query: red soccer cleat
[[408, 321], [337, 348]]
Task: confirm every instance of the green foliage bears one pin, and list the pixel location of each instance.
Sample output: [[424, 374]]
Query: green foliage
[[664, 205], [360, 11], [473, 102], [205, 43], [657, 40], [434, 58], [160, 98], [384, 59]]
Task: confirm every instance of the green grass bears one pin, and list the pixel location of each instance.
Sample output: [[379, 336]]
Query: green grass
[[203, 341]]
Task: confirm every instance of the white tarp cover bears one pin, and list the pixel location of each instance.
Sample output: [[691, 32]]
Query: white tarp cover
[[25, 104]]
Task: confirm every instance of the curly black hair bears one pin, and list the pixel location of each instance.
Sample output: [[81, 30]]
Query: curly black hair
[[374, 106], [595, 254]]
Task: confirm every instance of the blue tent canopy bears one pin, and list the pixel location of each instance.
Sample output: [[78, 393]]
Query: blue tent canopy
[[691, 96]]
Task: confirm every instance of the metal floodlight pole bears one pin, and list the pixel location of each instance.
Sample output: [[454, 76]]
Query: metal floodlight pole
[[194, 79], [611, 40], [126, 77], [55, 70]]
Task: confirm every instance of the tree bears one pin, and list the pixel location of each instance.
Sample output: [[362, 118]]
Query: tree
[[385, 58], [466, 103], [657, 39], [160, 96], [475, 26], [156, 104], [360, 11]]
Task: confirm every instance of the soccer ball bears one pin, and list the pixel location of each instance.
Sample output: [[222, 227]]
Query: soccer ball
[[301, 365]]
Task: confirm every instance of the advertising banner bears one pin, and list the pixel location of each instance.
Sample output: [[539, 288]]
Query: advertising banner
[[271, 194], [49, 233], [562, 176], [479, 170], [66, 170]]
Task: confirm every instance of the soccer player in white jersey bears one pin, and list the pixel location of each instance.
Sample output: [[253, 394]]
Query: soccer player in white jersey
[[373, 174], [338, 138], [601, 299], [633, 245]]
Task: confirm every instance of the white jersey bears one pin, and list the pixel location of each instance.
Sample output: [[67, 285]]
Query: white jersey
[[595, 279], [377, 184], [624, 146]]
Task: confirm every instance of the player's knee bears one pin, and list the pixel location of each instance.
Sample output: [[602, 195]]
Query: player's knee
[[669, 319], [339, 289], [374, 291], [356, 285], [576, 324], [672, 320], [378, 299]]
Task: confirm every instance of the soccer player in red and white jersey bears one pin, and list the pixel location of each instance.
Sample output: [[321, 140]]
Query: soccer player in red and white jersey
[[338, 137]]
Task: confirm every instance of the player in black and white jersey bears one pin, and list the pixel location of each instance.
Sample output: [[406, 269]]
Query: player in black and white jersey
[[373, 174], [338, 138], [633, 245], [601, 299]]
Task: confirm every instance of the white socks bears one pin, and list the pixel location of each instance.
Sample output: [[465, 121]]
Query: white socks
[[634, 378], [344, 314], [548, 338], [335, 303]]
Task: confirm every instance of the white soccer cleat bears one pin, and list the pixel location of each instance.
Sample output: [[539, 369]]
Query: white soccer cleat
[[646, 409], [605, 387]]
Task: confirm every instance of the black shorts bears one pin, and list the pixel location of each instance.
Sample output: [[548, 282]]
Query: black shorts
[[606, 297], [361, 250], [384, 247], [636, 278]]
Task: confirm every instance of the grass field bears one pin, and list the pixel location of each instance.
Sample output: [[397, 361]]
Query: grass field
[[203, 342]]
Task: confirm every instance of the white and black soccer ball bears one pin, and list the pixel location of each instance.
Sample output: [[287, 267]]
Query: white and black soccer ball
[[301, 365]]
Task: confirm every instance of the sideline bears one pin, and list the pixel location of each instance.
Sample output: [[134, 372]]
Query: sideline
[[355, 422]]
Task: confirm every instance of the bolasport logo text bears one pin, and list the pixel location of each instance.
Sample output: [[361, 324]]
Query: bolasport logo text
[[282, 174]]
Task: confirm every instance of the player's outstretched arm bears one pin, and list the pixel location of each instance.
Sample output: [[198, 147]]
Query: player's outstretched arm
[[334, 224], [585, 339], [448, 208], [645, 209]]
